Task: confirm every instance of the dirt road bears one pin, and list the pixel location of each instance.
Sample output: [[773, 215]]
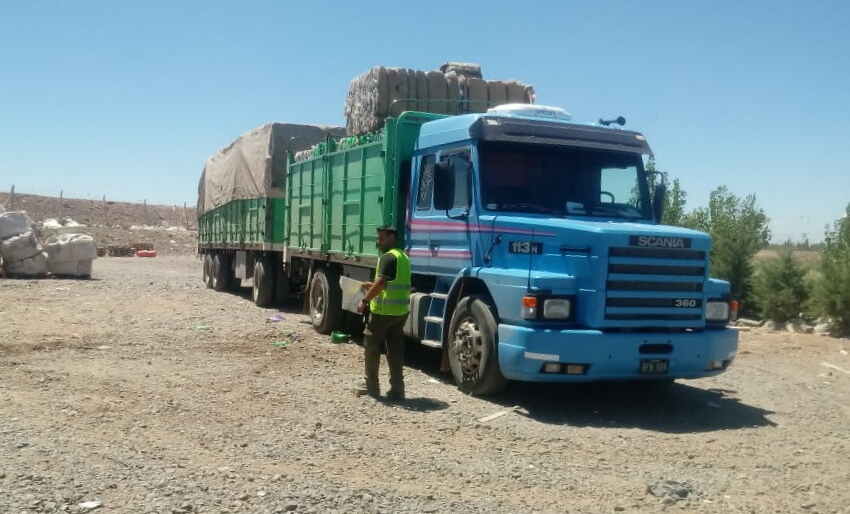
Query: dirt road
[[145, 392]]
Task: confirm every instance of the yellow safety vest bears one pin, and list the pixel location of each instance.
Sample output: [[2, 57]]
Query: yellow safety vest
[[394, 300]]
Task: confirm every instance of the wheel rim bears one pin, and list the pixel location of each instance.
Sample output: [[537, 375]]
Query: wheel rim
[[255, 288], [468, 346], [214, 272], [317, 302]]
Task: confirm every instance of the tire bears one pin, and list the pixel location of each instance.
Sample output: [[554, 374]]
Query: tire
[[325, 304], [473, 347], [263, 289], [220, 272], [208, 265]]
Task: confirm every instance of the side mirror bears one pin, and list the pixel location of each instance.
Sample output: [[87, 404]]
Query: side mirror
[[444, 186], [658, 202]]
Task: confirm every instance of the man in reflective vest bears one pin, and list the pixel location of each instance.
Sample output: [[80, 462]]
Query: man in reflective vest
[[388, 303]]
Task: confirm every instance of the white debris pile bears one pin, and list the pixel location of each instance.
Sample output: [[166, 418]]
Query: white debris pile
[[54, 224], [19, 248], [160, 228], [70, 254], [456, 88], [23, 256]]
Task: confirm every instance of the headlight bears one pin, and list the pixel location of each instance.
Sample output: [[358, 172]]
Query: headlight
[[541, 308], [717, 311], [557, 308]]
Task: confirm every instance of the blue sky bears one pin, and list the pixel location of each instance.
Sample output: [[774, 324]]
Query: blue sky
[[129, 99]]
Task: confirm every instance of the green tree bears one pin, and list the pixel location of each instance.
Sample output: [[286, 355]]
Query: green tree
[[739, 229], [674, 205], [779, 287], [831, 296]]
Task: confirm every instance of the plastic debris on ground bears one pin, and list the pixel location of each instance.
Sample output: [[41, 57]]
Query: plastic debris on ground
[[287, 338]]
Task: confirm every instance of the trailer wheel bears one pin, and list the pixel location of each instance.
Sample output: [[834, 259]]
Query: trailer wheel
[[220, 272], [473, 349], [263, 289], [208, 265], [325, 302]]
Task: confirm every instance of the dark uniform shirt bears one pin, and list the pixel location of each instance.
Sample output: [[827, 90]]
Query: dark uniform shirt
[[387, 267]]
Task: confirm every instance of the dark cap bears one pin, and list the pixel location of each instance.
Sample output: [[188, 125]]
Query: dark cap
[[388, 230]]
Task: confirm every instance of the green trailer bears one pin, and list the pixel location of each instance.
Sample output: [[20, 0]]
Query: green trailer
[[336, 200], [293, 226]]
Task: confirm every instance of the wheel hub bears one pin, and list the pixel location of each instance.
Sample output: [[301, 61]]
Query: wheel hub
[[468, 346], [318, 302]]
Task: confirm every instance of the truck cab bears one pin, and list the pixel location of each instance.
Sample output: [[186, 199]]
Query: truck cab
[[538, 256]]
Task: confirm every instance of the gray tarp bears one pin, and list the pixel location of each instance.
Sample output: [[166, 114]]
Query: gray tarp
[[254, 166]]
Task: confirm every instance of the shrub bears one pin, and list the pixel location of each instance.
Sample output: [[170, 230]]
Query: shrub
[[739, 229], [832, 287], [779, 287]]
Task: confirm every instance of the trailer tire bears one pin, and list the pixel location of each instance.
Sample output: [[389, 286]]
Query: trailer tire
[[326, 312], [473, 347], [220, 272], [208, 265], [263, 288]]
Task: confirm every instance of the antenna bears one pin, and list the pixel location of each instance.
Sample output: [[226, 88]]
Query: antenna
[[530, 257]]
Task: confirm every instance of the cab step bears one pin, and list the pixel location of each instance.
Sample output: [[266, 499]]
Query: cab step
[[438, 296], [433, 319], [431, 343]]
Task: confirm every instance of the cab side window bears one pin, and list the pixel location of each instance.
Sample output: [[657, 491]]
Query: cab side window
[[425, 191]]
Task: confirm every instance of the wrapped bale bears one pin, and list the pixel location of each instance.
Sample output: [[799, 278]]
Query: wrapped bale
[[519, 93], [19, 248], [14, 223], [473, 95], [464, 69], [457, 88], [33, 267], [439, 97], [70, 254], [70, 269]]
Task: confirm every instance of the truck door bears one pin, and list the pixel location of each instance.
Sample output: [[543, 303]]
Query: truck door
[[421, 213], [449, 236]]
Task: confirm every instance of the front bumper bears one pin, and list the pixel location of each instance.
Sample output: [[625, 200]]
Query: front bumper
[[611, 356]]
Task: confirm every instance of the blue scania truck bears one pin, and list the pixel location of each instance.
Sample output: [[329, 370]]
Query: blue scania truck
[[535, 244]]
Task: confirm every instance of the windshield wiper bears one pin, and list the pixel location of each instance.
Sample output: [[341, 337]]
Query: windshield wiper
[[620, 213], [519, 206]]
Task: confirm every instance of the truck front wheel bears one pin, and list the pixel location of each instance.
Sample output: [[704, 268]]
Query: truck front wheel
[[325, 302], [263, 288], [473, 348]]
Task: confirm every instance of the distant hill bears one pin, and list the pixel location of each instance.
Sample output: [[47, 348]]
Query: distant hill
[[170, 229], [98, 213]]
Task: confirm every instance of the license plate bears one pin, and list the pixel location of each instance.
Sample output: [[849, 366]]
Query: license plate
[[654, 366]]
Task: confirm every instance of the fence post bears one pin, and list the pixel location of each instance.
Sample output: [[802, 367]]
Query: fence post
[[145, 207], [105, 212], [61, 195], [12, 199], [185, 216]]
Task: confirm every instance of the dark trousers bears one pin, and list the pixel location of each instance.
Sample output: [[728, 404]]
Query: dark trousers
[[385, 329]]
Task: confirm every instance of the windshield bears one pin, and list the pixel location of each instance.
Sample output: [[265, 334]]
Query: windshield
[[562, 181]]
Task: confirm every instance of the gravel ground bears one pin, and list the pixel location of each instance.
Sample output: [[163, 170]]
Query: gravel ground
[[144, 392]]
